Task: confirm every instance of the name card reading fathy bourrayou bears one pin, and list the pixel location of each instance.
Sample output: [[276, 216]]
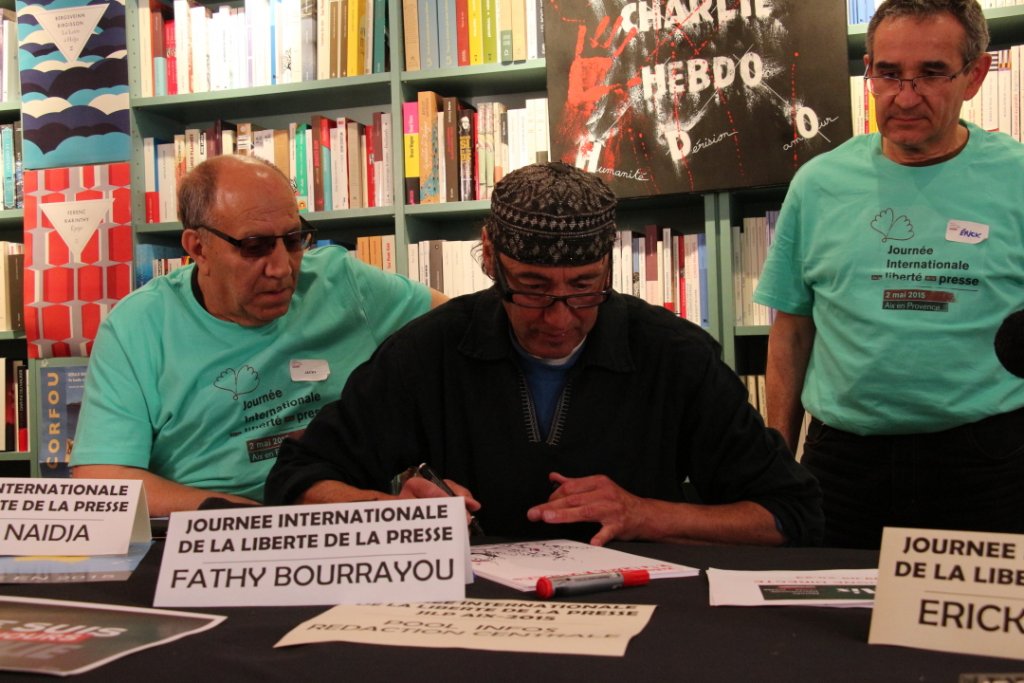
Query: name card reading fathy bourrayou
[[316, 554]]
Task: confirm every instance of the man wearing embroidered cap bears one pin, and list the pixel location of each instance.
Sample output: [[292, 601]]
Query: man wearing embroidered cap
[[567, 409]]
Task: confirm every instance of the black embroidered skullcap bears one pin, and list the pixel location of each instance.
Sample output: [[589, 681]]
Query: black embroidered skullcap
[[552, 214]]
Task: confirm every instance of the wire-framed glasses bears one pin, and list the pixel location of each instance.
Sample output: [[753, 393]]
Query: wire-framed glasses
[[536, 300], [930, 84], [258, 246]]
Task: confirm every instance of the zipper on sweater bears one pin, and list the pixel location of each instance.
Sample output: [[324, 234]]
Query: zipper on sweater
[[530, 413]]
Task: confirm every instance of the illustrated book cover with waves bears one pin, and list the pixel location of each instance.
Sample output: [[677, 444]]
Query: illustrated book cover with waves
[[73, 60]]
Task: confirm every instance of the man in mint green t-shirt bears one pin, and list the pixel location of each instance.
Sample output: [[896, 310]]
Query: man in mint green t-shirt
[[196, 378], [896, 258]]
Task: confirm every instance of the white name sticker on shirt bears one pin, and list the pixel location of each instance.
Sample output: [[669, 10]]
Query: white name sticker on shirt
[[966, 232], [309, 370]]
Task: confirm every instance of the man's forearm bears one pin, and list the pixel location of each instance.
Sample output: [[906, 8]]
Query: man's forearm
[[330, 491], [789, 351], [163, 495], [744, 522]]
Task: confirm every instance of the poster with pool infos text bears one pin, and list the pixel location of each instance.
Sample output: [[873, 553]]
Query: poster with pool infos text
[[378, 551]]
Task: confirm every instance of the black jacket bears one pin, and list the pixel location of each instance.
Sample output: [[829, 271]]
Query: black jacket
[[648, 403]]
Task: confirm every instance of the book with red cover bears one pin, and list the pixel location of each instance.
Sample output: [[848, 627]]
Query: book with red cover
[[171, 51], [78, 254], [321, 126], [462, 31]]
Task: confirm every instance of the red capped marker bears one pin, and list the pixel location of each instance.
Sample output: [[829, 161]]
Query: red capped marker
[[580, 584]]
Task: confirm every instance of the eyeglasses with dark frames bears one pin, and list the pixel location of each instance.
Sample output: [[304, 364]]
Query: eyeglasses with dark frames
[[258, 246], [534, 300], [933, 84]]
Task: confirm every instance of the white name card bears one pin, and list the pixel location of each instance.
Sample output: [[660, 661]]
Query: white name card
[[72, 516], [951, 591], [395, 550]]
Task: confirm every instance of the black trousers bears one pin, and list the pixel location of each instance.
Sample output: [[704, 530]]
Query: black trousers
[[970, 477]]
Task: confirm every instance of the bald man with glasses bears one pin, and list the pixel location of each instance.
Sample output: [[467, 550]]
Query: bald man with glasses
[[896, 258], [556, 406], [196, 378]]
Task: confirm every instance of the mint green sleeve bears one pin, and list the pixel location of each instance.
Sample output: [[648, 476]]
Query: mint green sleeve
[[388, 300], [113, 426]]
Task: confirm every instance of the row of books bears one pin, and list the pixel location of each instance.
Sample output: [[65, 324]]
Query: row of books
[[658, 266], [333, 163], [442, 34], [11, 166], [449, 266], [10, 78], [861, 11], [377, 250], [664, 269], [163, 266], [12, 287], [998, 106], [455, 151], [188, 47], [750, 243]]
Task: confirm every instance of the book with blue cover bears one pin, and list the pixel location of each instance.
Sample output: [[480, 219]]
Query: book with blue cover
[[59, 401], [73, 61]]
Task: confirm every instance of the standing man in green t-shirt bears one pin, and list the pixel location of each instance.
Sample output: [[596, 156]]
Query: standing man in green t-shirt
[[897, 256]]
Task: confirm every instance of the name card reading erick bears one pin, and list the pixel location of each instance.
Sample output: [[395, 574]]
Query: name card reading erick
[[72, 516], [952, 591], [316, 554]]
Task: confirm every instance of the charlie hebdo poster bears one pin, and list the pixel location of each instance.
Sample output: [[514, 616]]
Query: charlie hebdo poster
[[663, 96]]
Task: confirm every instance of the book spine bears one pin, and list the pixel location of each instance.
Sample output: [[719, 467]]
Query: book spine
[[380, 29], [451, 149], [462, 32], [411, 33], [353, 57], [387, 164], [315, 152], [21, 378], [429, 181], [7, 150], [411, 151], [339, 166], [429, 55], [476, 32], [490, 31], [447, 40], [518, 22], [467, 181], [505, 31], [355, 165], [369, 159]]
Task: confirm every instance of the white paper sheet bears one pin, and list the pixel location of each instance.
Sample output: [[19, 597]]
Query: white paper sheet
[[519, 565], [810, 588]]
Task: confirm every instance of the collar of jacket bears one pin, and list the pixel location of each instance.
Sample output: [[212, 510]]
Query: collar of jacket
[[607, 345]]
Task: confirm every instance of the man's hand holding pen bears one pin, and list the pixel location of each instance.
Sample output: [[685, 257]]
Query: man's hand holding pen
[[422, 482]]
